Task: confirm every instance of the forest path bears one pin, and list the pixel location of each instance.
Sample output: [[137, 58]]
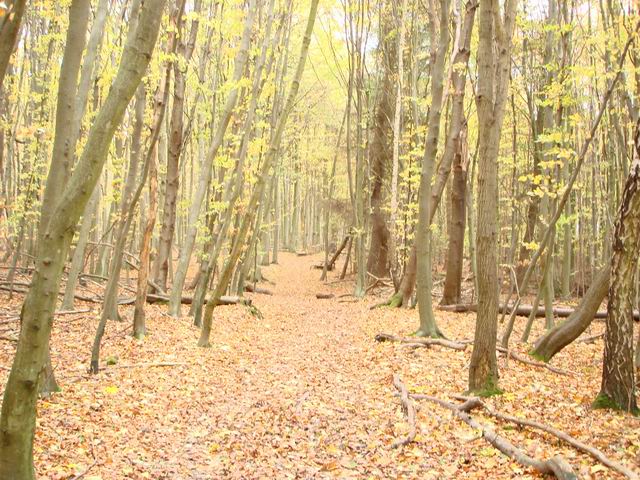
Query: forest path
[[304, 393]]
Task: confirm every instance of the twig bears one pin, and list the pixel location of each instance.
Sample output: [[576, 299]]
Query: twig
[[85, 471], [410, 411]]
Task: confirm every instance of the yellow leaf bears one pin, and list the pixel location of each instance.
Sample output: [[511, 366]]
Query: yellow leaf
[[111, 390]]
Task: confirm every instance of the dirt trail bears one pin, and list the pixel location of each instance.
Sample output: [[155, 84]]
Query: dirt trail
[[303, 393]]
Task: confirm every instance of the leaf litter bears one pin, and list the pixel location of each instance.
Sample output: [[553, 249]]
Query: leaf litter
[[304, 393]]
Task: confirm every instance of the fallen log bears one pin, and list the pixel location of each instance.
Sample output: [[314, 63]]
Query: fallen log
[[524, 310], [154, 298], [409, 410], [559, 434], [255, 289], [556, 465], [324, 296], [423, 341]]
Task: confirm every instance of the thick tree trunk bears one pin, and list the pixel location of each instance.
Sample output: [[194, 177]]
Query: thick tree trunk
[[63, 147], [618, 388], [17, 421], [380, 150], [562, 335], [455, 249]]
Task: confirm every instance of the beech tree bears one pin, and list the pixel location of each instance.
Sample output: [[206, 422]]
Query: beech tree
[[495, 36]]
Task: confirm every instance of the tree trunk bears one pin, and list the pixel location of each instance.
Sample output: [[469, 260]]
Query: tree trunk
[[17, 420], [455, 250], [174, 149], [438, 22], [618, 388], [562, 335], [380, 150], [494, 59]]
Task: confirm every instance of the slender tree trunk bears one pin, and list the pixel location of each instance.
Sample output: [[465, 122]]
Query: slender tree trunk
[[439, 28], [494, 59]]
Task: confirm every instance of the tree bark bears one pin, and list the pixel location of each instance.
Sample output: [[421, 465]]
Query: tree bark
[[618, 389]]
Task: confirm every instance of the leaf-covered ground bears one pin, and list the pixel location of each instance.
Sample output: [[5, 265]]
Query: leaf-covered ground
[[304, 393]]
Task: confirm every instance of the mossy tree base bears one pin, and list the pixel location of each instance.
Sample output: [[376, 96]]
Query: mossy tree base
[[429, 333], [605, 402], [490, 389]]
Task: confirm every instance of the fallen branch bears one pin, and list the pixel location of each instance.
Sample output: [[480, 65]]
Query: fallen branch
[[324, 296], [554, 466], [575, 443], [149, 365], [591, 339], [423, 341], [153, 298], [85, 471], [409, 410], [524, 310], [534, 363]]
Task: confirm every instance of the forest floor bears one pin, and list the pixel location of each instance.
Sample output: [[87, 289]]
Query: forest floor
[[304, 393]]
